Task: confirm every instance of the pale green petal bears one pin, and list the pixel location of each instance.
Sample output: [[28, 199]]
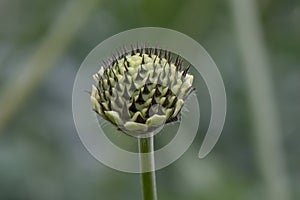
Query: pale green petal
[[185, 86], [189, 78], [134, 126], [162, 100], [165, 90], [175, 89], [105, 105], [144, 111], [156, 120], [94, 91], [96, 77], [114, 117], [178, 106], [96, 105], [169, 113], [101, 71]]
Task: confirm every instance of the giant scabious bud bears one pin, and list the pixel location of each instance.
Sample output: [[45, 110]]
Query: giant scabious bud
[[141, 90]]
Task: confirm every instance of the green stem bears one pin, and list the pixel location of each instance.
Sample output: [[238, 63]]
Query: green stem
[[146, 150]]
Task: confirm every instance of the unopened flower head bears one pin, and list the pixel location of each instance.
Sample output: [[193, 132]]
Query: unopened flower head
[[141, 90]]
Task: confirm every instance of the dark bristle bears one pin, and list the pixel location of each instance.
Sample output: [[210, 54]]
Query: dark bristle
[[160, 53], [98, 89], [153, 101], [118, 67], [140, 119], [106, 74], [165, 56], [186, 70], [100, 85], [140, 99], [143, 60], [155, 52], [110, 89], [109, 104], [177, 60], [146, 89], [189, 91], [155, 58], [132, 50], [169, 60], [126, 63], [157, 93], [179, 65], [148, 111], [115, 76], [174, 102], [132, 107], [166, 103], [141, 50], [102, 107], [113, 62]]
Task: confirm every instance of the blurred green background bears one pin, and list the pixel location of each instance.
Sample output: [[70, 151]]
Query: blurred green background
[[256, 45]]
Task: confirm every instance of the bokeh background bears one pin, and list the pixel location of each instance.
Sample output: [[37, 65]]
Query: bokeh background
[[256, 45]]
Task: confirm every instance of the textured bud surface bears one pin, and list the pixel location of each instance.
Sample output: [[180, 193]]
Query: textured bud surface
[[141, 90]]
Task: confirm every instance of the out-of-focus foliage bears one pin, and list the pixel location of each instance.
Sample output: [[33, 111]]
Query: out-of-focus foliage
[[41, 156]]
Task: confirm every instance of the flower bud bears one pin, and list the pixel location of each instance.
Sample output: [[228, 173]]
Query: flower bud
[[141, 90]]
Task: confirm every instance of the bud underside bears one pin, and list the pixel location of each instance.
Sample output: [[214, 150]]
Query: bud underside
[[141, 90]]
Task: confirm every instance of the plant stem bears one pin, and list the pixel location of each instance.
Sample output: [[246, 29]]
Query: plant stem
[[146, 150]]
